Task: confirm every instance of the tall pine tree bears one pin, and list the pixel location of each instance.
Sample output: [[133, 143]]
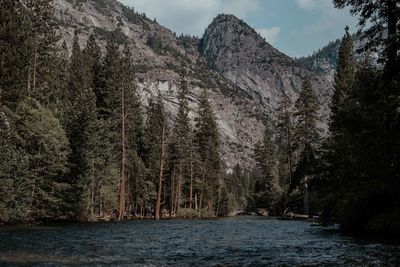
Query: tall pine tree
[[207, 143], [181, 138]]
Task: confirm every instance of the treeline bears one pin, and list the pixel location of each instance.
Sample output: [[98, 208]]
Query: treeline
[[359, 168], [286, 155], [76, 141], [352, 176]]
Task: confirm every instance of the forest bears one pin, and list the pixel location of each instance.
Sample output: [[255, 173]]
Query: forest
[[78, 142]]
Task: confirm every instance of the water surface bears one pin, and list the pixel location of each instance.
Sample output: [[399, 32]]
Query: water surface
[[241, 241]]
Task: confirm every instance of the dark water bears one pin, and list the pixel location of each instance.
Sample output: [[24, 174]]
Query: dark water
[[243, 241]]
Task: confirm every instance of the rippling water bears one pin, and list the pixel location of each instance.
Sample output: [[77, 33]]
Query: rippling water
[[242, 241]]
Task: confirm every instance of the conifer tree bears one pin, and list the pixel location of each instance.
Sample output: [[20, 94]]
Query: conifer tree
[[110, 79], [306, 115], [266, 158], [14, 46], [306, 137], [344, 77], [155, 146], [285, 139], [341, 104], [36, 152], [128, 118], [375, 17], [207, 143], [103, 166], [180, 137], [56, 98], [42, 74], [82, 128], [94, 56]]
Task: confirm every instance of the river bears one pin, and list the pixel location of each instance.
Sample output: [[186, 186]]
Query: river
[[240, 241]]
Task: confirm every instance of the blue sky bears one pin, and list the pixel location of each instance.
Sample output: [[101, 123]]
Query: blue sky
[[295, 27]]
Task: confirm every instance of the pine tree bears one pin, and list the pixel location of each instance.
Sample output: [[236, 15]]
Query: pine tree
[[42, 74], [339, 144], [14, 46], [344, 77], [36, 156], [110, 79], [155, 146], [266, 157], [101, 194], [378, 16], [306, 137], [94, 56], [129, 115], [306, 116], [181, 135], [285, 140], [207, 143], [82, 128], [360, 165], [56, 98]]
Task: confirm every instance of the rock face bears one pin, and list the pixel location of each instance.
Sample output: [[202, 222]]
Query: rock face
[[244, 75], [242, 56], [323, 62]]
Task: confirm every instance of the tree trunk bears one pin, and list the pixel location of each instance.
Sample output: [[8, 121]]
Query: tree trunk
[[100, 202], [92, 189], [128, 194], [92, 200], [202, 185], [219, 199], [179, 195], [122, 167], [191, 177], [172, 208], [306, 209], [160, 180]]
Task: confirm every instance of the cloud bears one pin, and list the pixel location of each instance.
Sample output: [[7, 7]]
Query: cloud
[[309, 4], [270, 34], [327, 25], [191, 16]]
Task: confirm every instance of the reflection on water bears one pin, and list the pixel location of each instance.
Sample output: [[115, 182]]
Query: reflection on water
[[242, 241]]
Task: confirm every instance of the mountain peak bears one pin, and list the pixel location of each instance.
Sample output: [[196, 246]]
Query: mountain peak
[[225, 16], [234, 25], [236, 51]]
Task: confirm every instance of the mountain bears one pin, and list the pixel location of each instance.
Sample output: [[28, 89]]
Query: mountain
[[241, 55], [244, 74], [323, 61]]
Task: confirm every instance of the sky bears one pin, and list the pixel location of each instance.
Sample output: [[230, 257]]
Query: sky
[[295, 27]]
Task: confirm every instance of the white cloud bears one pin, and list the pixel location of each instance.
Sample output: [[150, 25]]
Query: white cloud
[[310, 4], [191, 16], [328, 25], [270, 34]]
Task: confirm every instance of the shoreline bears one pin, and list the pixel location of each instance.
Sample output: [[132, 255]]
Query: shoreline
[[378, 237]]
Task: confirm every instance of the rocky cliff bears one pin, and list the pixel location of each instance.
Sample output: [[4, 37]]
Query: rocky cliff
[[244, 74], [242, 56]]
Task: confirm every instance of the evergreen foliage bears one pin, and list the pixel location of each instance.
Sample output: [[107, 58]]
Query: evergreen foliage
[[75, 144], [207, 143], [35, 150], [267, 189], [14, 46], [359, 167]]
